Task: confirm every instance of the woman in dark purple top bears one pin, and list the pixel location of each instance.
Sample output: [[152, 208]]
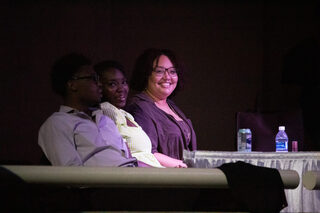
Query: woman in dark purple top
[[157, 76]]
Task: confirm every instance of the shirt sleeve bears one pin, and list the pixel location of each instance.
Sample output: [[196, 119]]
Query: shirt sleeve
[[57, 143], [110, 134]]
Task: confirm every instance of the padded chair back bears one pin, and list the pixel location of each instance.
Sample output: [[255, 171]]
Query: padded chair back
[[264, 127]]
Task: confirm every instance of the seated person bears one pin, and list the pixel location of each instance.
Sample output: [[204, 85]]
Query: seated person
[[115, 91], [157, 76], [75, 136]]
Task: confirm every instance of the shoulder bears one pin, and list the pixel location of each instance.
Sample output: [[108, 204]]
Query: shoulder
[[57, 120], [57, 117], [56, 125], [110, 110], [106, 106], [139, 102]]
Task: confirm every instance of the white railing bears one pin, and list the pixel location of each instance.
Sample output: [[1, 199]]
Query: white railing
[[311, 180], [133, 177]]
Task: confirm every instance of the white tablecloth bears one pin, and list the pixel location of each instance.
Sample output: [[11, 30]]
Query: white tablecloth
[[299, 199]]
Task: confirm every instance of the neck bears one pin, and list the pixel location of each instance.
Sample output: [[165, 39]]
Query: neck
[[155, 99], [77, 106]]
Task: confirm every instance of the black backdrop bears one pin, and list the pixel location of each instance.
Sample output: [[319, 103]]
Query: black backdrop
[[233, 52]]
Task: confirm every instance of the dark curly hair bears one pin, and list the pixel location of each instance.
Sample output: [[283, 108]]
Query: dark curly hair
[[144, 66], [64, 69], [102, 66]]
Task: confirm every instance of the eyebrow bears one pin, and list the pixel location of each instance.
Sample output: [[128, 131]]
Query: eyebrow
[[116, 79], [164, 67]]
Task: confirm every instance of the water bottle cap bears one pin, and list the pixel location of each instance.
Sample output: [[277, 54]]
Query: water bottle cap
[[282, 128]]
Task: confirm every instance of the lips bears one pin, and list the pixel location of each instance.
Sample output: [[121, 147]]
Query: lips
[[121, 98], [165, 84]]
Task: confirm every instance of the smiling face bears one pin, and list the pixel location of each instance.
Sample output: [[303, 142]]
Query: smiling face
[[162, 85], [114, 87]]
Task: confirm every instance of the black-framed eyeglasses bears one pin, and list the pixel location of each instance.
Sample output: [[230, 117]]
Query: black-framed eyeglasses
[[159, 71], [94, 78]]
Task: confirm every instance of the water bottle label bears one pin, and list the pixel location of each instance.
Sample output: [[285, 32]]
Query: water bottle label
[[281, 140], [281, 146]]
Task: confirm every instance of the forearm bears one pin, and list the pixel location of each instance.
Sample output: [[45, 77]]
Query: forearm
[[167, 161]]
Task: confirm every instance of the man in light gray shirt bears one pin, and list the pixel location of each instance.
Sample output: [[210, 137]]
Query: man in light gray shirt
[[80, 135]]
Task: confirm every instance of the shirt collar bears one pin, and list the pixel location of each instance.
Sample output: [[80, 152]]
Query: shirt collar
[[67, 109], [70, 110]]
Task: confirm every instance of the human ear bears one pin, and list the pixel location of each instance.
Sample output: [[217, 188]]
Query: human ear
[[72, 85]]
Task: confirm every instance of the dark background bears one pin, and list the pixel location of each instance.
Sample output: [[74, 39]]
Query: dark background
[[233, 52]]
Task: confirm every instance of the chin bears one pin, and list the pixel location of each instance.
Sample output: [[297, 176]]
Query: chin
[[120, 105], [167, 94]]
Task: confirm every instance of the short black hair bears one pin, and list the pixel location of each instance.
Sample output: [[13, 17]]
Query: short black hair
[[102, 66], [144, 66], [64, 69]]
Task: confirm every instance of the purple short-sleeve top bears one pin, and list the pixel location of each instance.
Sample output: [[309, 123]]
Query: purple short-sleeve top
[[168, 136]]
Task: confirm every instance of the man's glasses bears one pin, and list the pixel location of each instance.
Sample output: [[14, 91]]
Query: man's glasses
[[159, 71], [94, 78]]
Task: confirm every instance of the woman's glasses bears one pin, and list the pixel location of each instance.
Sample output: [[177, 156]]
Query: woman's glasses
[[160, 71]]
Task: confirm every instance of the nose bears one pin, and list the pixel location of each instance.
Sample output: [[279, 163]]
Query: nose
[[166, 74], [120, 88]]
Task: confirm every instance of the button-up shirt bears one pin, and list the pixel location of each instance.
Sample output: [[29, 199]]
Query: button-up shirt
[[73, 138]]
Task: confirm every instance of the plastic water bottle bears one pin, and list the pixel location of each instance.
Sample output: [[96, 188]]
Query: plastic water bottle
[[282, 140], [244, 140]]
